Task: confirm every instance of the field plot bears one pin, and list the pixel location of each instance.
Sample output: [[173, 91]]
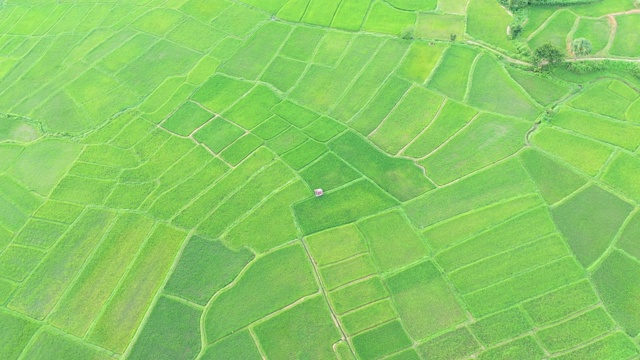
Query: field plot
[[317, 179]]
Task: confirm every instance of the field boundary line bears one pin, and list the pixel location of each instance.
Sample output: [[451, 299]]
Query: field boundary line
[[444, 143], [324, 294], [472, 71]]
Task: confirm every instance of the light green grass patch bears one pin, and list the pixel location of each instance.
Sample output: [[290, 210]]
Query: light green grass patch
[[350, 14], [504, 96], [384, 340], [392, 241], [41, 291], [615, 133], [627, 240], [627, 35], [601, 100], [451, 118], [271, 127], [542, 89], [503, 237], [122, 315], [560, 303], [347, 271], [400, 177], [576, 331], [241, 148], [276, 212], [186, 119], [462, 227], [355, 295], [596, 31], [39, 233], [53, 344], [283, 73], [412, 114], [204, 268], [617, 292], [501, 326], [452, 75], [386, 19], [331, 47], [58, 211], [488, 139], [218, 134], [306, 330], [554, 180], [335, 244], [379, 107], [206, 39], [424, 300], [240, 345], [590, 220], [294, 113], [323, 129], [17, 262], [440, 26], [487, 21], [586, 155], [420, 61], [287, 140], [501, 182], [219, 92], [171, 330], [269, 283], [328, 173], [158, 21], [16, 332], [555, 31], [320, 12], [614, 346], [456, 344], [368, 317], [239, 20], [253, 108], [524, 286], [523, 348]]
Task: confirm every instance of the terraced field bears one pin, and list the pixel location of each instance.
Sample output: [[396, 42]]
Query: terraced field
[[158, 160]]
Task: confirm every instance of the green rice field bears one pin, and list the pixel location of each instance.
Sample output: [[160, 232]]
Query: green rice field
[[319, 179]]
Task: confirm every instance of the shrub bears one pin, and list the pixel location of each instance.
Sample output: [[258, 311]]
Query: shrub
[[547, 55], [581, 47]]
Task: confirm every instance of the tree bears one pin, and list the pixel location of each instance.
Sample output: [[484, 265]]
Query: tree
[[547, 54], [581, 47]]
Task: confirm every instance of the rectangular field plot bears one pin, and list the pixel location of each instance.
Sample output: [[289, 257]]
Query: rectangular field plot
[[385, 99], [218, 134], [585, 154], [601, 100], [628, 237], [392, 241], [590, 228], [457, 344], [220, 92], [368, 317], [253, 108], [383, 18], [341, 206], [424, 300], [613, 132], [504, 181], [283, 73], [501, 326], [523, 348], [420, 61], [502, 266], [412, 114], [560, 303], [523, 287], [16, 331], [614, 346], [555, 31], [186, 119], [305, 330], [466, 225], [83, 301], [347, 271], [450, 119], [350, 14], [39, 233], [503, 237], [53, 344], [172, 330], [381, 168], [384, 340], [336, 244], [237, 346], [488, 139], [270, 283], [576, 331], [17, 262], [622, 175], [357, 294], [41, 291], [617, 292], [542, 89], [554, 180], [452, 75]]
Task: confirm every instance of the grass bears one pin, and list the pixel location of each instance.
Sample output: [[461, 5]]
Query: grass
[[158, 162], [237, 309], [589, 232], [424, 300]]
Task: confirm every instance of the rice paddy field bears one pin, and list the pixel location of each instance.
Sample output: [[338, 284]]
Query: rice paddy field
[[158, 161]]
